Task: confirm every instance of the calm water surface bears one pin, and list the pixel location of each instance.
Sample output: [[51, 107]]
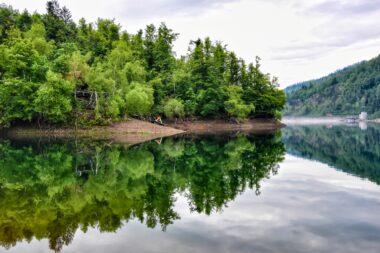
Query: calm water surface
[[305, 189]]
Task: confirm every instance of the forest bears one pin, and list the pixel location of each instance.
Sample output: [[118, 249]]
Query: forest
[[346, 92], [57, 71]]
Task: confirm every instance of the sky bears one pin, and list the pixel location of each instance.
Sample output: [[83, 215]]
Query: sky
[[297, 40]]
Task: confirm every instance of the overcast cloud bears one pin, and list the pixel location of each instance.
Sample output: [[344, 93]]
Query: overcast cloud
[[297, 40]]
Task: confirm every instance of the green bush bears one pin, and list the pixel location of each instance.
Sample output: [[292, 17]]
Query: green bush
[[174, 108], [139, 101]]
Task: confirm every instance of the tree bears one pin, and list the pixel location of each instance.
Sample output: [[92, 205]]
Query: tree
[[24, 21], [106, 34], [148, 43], [78, 68], [16, 100], [233, 69], [235, 106], [208, 62], [58, 23], [53, 99], [174, 108], [7, 21], [139, 101], [163, 52], [62, 57]]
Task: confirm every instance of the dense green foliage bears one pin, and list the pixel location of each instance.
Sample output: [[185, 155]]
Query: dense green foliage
[[346, 92], [45, 59], [50, 190], [346, 148], [174, 108]]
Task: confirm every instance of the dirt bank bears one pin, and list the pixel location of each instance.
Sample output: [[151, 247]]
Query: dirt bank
[[217, 126], [128, 132], [136, 131]]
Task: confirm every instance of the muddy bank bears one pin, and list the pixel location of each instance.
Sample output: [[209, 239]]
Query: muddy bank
[[219, 126], [136, 131], [128, 132]]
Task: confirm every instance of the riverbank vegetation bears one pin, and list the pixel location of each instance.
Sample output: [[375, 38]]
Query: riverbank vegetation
[[53, 70]]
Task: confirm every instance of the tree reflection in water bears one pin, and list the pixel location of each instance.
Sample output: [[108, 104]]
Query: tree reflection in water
[[352, 149], [50, 190]]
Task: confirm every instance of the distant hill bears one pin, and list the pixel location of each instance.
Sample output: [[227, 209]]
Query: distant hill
[[319, 80], [347, 91]]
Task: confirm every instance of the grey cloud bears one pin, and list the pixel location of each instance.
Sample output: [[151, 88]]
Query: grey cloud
[[334, 33], [311, 50], [332, 7], [340, 8], [151, 8]]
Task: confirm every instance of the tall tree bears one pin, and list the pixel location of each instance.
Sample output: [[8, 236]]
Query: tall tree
[[58, 22]]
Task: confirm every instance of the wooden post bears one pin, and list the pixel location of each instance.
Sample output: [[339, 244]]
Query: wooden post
[[96, 99], [76, 110]]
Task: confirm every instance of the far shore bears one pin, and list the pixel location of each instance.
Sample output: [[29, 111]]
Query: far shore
[[313, 120], [341, 120], [135, 131]]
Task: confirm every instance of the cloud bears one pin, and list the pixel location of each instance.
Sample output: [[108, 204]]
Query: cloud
[[327, 42], [127, 9], [335, 26], [152, 9], [344, 8]]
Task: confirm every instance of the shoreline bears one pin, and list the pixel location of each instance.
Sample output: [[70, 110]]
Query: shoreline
[[323, 120], [314, 120], [135, 131], [221, 126]]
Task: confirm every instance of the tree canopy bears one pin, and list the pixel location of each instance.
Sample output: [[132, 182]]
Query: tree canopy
[[55, 70]]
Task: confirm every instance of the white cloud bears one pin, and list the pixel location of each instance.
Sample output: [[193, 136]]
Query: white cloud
[[297, 40]]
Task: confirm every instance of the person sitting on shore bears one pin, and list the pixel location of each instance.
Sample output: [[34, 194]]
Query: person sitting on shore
[[158, 120]]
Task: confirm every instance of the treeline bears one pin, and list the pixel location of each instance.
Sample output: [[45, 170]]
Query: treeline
[[54, 70], [305, 84], [346, 92]]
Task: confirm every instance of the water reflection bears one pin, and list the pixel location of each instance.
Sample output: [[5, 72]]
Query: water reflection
[[363, 125], [352, 149], [50, 190]]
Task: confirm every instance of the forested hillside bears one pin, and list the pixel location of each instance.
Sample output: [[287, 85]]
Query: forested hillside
[[53, 70], [317, 81], [345, 92]]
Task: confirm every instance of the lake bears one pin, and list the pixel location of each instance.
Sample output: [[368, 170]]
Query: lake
[[302, 189]]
